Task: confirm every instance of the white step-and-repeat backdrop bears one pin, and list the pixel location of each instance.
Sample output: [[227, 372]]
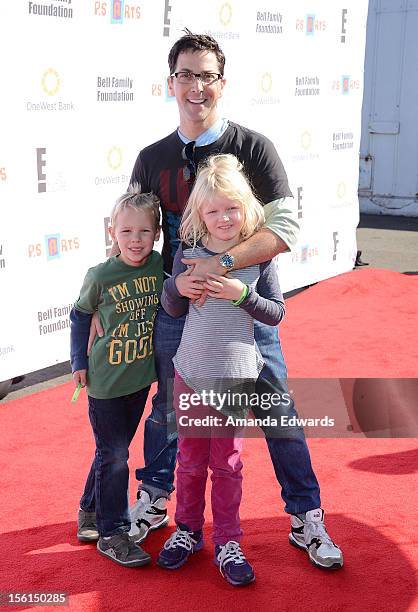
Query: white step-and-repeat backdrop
[[84, 89]]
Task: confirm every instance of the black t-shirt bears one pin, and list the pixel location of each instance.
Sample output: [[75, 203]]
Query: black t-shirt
[[160, 168]]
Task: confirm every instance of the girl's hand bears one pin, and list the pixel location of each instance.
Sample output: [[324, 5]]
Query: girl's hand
[[189, 285], [223, 287], [80, 377]]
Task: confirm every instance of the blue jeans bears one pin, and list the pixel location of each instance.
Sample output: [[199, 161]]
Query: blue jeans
[[290, 456], [114, 422]]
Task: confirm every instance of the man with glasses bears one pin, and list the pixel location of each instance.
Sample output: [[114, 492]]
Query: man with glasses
[[168, 168]]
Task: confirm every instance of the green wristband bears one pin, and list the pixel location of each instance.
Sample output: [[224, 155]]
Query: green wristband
[[241, 297]]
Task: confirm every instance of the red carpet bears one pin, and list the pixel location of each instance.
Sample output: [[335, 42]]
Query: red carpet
[[359, 324]]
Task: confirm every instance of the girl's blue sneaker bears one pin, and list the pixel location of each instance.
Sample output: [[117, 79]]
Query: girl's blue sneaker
[[179, 547], [233, 565]]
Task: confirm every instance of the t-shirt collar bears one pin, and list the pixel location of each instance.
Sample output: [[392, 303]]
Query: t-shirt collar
[[210, 135]]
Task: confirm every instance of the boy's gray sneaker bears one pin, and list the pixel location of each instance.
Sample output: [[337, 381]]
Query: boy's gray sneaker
[[147, 515], [309, 534], [87, 527], [120, 549]]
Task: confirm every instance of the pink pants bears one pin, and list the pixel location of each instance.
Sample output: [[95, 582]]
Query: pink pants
[[194, 457]]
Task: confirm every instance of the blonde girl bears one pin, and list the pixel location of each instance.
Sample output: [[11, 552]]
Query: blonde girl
[[217, 352]]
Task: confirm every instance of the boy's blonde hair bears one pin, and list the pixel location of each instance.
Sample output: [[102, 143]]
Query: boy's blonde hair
[[220, 174], [133, 198]]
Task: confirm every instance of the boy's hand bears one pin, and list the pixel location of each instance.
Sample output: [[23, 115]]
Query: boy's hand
[[80, 377], [189, 285], [223, 287], [95, 328]]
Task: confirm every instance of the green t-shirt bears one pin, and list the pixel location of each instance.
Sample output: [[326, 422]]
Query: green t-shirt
[[127, 298]]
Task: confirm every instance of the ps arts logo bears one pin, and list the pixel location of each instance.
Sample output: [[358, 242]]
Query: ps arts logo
[[117, 10], [345, 85], [53, 247], [311, 24], [159, 89]]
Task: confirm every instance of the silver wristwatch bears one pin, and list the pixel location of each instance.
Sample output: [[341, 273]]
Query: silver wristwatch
[[227, 261]]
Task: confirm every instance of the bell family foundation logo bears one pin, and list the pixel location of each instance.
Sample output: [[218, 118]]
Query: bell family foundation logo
[[342, 141], [55, 318], [269, 23], [52, 8], [113, 88], [117, 11], [307, 85]]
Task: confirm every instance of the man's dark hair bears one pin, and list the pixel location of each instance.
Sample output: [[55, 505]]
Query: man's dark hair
[[195, 42]]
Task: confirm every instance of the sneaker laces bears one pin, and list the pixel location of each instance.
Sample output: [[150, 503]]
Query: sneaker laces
[[231, 551], [319, 531], [181, 538]]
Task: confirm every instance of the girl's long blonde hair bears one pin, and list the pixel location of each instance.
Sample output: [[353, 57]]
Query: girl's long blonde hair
[[220, 174]]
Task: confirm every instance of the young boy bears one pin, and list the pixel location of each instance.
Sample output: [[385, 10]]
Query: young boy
[[118, 373]]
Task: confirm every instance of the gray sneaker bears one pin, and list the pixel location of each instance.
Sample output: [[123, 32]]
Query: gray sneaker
[[87, 527], [309, 534], [120, 549], [147, 515]]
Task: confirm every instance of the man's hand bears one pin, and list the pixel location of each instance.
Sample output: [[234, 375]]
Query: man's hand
[[223, 287], [189, 285], [206, 265], [80, 377], [95, 328], [202, 266]]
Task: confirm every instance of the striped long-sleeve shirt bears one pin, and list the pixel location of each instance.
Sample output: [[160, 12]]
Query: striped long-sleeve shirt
[[217, 350]]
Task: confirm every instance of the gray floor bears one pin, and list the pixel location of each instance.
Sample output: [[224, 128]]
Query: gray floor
[[384, 242], [389, 242]]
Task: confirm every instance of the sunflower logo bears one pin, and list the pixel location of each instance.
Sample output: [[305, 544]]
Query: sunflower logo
[[114, 158], [50, 81]]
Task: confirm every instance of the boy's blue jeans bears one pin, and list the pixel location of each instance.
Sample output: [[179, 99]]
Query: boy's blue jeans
[[114, 422], [290, 456]]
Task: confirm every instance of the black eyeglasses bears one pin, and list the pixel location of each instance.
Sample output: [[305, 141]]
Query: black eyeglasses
[[189, 170], [186, 77]]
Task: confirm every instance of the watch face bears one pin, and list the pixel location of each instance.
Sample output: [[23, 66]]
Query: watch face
[[227, 261]]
